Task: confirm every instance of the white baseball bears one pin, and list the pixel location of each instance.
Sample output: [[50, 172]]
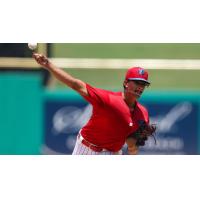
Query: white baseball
[[32, 46]]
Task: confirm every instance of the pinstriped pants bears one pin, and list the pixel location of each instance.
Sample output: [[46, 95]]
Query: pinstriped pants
[[81, 149]]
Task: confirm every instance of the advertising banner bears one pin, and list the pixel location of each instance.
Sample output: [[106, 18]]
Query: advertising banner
[[177, 123], [177, 128], [65, 114]]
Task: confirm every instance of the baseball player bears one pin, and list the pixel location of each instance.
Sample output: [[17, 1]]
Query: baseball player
[[116, 116]]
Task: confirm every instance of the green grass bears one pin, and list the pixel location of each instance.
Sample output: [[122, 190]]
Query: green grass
[[127, 50], [113, 79], [160, 79]]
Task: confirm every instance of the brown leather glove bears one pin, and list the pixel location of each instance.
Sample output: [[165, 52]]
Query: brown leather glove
[[143, 133]]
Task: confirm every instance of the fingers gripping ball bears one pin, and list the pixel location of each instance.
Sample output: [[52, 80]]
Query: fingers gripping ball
[[41, 59], [32, 46]]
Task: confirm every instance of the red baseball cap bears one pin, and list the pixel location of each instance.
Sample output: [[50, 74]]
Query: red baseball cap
[[138, 74]]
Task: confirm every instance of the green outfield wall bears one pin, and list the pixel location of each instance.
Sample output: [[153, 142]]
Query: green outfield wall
[[21, 113]]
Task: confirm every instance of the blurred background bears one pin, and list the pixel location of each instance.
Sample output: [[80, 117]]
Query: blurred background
[[39, 115]]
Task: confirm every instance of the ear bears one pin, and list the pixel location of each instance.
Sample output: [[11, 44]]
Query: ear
[[125, 84]]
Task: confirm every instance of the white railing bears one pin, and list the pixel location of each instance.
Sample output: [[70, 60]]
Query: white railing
[[87, 63]]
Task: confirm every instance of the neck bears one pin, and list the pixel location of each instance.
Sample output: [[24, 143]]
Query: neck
[[130, 100], [131, 104]]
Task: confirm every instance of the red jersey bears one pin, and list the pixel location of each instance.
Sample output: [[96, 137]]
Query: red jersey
[[111, 121]]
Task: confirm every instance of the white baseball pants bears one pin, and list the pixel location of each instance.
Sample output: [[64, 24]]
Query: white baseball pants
[[81, 149]]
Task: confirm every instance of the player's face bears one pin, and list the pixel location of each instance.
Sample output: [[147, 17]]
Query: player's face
[[135, 88]]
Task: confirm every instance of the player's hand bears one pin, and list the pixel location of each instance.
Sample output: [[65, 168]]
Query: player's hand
[[41, 59], [132, 148]]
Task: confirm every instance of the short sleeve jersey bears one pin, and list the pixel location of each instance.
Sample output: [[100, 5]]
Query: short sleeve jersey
[[111, 120]]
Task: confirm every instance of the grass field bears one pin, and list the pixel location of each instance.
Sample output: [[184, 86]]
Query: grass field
[[113, 78], [160, 79], [132, 50]]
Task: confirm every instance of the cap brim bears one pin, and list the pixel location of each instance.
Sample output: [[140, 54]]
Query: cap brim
[[139, 79]]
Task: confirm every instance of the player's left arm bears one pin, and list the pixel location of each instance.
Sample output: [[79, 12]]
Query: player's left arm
[[132, 147]]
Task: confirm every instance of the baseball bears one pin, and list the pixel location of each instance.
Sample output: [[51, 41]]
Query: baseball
[[32, 46]]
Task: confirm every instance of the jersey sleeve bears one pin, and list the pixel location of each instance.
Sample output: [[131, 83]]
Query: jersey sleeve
[[96, 95]]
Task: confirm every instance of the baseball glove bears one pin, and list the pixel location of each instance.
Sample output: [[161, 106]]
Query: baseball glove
[[143, 133]]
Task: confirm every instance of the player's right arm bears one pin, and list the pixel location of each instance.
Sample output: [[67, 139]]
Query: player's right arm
[[61, 75]]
